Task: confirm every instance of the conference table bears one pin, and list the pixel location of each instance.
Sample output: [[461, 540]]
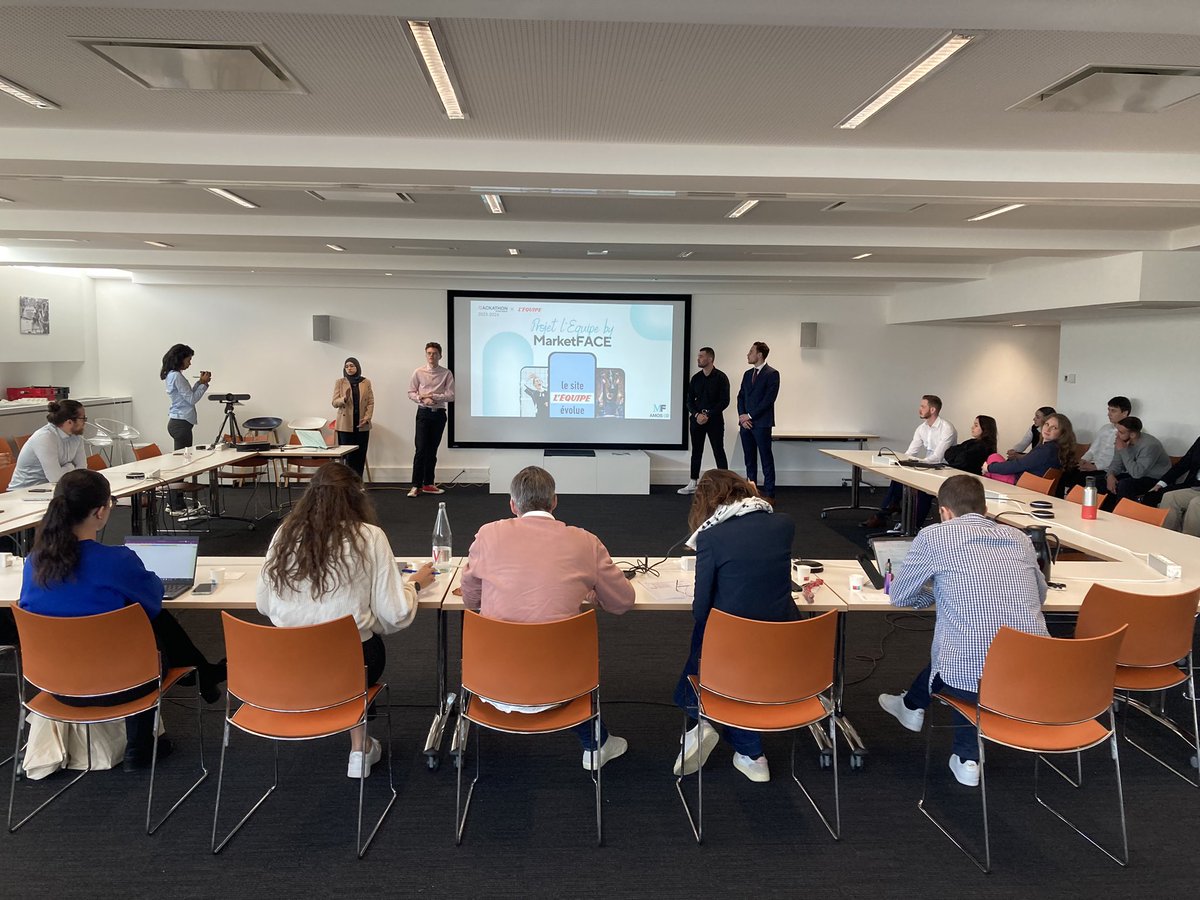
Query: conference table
[[24, 507]]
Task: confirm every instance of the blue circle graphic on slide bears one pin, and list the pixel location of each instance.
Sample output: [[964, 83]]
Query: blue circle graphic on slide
[[652, 322], [504, 355]]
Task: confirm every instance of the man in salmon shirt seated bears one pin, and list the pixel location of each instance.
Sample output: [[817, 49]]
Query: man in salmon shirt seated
[[534, 568]]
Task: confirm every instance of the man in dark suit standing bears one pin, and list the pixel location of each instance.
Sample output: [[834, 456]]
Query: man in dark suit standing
[[756, 417]]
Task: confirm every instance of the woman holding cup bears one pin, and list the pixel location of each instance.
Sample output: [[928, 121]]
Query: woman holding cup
[[743, 567]]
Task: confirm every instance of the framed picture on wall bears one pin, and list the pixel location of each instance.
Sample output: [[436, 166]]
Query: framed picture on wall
[[35, 315]]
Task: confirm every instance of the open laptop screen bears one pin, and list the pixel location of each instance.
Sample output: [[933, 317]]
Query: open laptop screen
[[170, 558]]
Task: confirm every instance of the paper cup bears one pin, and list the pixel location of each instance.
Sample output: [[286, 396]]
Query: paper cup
[[801, 574], [687, 564], [216, 576], [6, 560], [857, 580]]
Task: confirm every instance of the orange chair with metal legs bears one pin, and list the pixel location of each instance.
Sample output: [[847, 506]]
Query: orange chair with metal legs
[[767, 676], [553, 664], [1043, 696], [1131, 509], [1032, 482], [1075, 495], [298, 684], [93, 657], [1159, 636]]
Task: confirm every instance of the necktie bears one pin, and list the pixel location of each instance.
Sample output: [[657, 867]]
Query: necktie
[[754, 377]]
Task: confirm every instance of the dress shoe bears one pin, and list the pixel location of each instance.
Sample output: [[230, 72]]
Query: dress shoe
[[875, 520]]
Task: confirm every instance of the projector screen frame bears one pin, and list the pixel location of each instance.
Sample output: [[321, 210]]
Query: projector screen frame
[[685, 299]]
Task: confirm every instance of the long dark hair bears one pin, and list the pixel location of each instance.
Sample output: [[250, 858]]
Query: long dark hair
[[55, 554], [1066, 442], [987, 433], [308, 546], [173, 359], [717, 487]]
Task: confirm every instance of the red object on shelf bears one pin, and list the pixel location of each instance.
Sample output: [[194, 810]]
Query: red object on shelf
[[45, 392]]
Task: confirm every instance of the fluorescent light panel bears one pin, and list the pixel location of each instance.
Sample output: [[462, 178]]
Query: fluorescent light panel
[[436, 69], [686, 253], [741, 209], [926, 65], [158, 244], [998, 211], [232, 197], [513, 251], [597, 253], [862, 256], [493, 202], [6, 200], [17, 92], [336, 247]]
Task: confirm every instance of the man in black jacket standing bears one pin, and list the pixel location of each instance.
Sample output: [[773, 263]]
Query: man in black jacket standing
[[707, 400], [756, 417]]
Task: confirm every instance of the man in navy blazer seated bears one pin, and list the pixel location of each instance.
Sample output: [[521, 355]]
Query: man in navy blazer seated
[[756, 417]]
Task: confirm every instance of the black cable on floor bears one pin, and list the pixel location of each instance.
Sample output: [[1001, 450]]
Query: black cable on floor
[[893, 620]]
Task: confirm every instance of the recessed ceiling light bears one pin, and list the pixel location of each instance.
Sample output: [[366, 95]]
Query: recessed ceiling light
[[926, 65], [17, 92], [513, 251], [1019, 324], [597, 253], [158, 244], [336, 247], [54, 240], [493, 202], [314, 195], [686, 253], [387, 273], [437, 70], [741, 209], [6, 200], [861, 256], [232, 197], [999, 210]]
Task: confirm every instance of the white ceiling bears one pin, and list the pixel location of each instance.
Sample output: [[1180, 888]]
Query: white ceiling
[[714, 102]]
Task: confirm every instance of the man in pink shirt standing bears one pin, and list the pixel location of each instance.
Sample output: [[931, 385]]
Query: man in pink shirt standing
[[534, 568], [431, 388]]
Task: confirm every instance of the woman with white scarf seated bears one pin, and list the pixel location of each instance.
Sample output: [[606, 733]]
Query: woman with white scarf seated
[[743, 567]]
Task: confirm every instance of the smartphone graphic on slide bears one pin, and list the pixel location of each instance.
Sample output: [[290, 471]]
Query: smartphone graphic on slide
[[572, 385]]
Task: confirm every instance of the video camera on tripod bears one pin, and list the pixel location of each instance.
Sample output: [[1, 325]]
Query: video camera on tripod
[[229, 425]]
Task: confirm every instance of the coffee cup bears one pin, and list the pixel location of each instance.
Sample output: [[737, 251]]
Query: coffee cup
[[216, 576], [6, 560], [857, 580], [801, 574]]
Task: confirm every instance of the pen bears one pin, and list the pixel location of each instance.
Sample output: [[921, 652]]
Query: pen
[[413, 571]]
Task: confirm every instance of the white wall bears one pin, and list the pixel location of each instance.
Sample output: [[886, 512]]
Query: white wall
[[67, 355], [1154, 359], [865, 375]]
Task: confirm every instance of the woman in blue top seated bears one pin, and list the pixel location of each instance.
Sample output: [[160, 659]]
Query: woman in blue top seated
[[743, 567], [1056, 451], [69, 573]]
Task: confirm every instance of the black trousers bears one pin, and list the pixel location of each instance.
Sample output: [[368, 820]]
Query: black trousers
[[427, 435], [1129, 488], [714, 430], [181, 433], [176, 649], [356, 460]]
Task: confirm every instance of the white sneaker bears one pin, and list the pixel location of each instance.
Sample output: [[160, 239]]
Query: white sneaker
[[966, 771], [612, 748], [754, 769], [356, 765], [689, 488], [415, 492], [893, 704], [698, 743]]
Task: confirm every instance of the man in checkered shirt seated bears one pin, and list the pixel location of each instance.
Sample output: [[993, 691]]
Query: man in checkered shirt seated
[[981, 575]]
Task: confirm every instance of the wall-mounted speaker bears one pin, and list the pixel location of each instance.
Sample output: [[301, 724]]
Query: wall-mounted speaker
[[321, 328], [808, 335]]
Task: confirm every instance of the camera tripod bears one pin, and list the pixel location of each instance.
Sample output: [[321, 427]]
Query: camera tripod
[[229, 425]]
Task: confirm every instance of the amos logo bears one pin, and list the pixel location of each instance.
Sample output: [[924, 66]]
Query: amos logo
[[659, 411]]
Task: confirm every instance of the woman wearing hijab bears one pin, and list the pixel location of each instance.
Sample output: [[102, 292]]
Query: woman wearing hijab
[[354, 401]]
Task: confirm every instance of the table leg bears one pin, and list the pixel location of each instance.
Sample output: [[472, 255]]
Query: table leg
[[445, 699], [855, 482], [858, 750]]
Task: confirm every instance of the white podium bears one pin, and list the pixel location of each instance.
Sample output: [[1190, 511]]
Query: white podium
[[599, 472]]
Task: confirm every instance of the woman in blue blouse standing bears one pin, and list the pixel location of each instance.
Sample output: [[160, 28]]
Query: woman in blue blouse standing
[[181, 418]]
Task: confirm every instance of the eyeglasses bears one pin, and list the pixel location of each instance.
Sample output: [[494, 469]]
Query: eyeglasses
[[81, 418]]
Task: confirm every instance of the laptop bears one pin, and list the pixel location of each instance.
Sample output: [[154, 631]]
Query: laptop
[[172, 559], [890, 549], [312, 439]]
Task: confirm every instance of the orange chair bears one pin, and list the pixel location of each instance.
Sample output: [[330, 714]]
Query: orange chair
[[241, 471], [78, 657], [1131, 509], [96, 462], [553, 664], [148, 452], [1041, 695], [1159, 635], [20, 441], [1075, 495], [1032, 482], [298, 684], [767, 676], [297, 468], [6, 474]]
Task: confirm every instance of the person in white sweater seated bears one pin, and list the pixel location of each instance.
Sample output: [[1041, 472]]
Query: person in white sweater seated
[[330, 559]]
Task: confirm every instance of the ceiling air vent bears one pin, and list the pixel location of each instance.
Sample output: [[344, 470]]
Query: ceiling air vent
[[195, 65], [1119, 89]]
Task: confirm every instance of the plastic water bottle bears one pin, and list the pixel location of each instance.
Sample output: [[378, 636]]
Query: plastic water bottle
[[443, 542], [1089, 498]]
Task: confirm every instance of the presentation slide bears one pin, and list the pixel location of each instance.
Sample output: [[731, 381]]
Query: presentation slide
[[568, 370]]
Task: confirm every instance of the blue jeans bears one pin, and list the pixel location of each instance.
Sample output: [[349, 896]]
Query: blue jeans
[[748, 743], [919, 697], [586, 736]]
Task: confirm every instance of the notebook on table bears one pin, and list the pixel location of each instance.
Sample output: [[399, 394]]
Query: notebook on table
[[171, 558]]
